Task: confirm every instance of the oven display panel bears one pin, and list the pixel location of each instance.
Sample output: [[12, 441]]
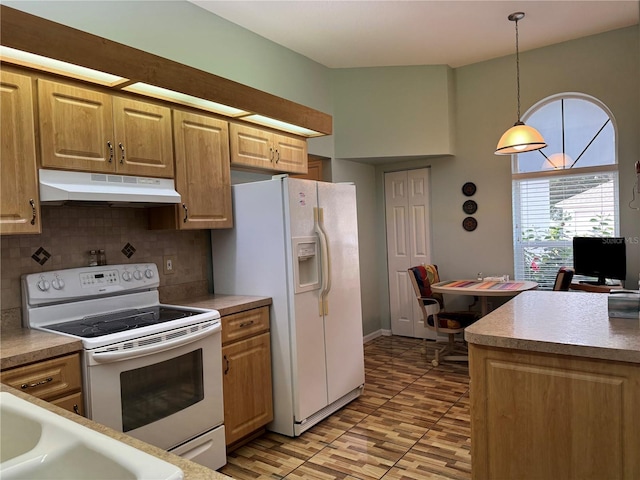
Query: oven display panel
[[104, 277]]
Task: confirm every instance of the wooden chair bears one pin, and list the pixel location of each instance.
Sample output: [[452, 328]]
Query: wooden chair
[[563, 279], [435, 317]]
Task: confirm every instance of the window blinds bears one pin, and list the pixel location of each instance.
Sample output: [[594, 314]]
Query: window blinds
[[550, 210]]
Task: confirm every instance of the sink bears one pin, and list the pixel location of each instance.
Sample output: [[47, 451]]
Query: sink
[[36, 444], [15, 445]]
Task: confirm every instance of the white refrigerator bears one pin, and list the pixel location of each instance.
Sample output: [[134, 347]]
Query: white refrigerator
[[296, 241]]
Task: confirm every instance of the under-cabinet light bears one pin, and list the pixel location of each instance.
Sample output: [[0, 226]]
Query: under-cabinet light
[[184, 99], [287, 127], [31, 60]]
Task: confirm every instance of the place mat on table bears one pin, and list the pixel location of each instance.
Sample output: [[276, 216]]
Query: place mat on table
[[482, 285]]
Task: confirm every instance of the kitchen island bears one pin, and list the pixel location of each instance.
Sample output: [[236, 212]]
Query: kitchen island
[[555, 389]]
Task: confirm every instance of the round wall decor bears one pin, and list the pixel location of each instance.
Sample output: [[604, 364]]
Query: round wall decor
[[469, 224], [469, 189], [469, 207]]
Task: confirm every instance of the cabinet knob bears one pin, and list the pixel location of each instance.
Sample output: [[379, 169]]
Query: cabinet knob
[[186, 213], [122, 150]]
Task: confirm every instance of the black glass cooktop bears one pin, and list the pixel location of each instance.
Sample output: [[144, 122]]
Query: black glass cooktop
[[105, 324]]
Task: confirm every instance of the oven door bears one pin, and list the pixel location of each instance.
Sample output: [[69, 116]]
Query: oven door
[[163, 389]]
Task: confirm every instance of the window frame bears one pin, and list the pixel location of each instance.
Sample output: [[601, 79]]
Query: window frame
[[518, 179]]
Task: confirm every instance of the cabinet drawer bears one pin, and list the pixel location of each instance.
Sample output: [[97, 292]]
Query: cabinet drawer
[[244, 324], [47, 380], [72, 402]]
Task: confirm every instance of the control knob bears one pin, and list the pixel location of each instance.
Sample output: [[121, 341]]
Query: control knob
[[126, 276], [137, 275], [148, 273], [58, 284], [43, 285]]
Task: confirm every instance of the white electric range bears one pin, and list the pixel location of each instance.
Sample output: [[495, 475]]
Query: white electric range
[[150, 370]]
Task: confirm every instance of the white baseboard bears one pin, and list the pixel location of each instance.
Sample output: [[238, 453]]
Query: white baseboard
[[376, 334]]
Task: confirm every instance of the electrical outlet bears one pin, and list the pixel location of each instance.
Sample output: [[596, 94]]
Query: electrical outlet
[[169, 264]]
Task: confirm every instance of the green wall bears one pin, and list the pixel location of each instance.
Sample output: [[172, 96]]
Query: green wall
[[394, 111], [481, 97]]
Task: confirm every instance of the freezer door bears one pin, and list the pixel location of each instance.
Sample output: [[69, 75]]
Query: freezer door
[[343, 314]]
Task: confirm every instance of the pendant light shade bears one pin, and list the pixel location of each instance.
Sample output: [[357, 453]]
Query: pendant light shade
[[519, 138]]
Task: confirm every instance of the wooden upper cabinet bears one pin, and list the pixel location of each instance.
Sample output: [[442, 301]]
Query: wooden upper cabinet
[[290, 154], [315, 171], [143, 136], [264, 150], [76, 128], [19, 201], [87, 130], [251, 147], [203, 177]]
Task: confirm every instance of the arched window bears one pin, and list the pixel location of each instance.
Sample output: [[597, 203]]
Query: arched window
[[567, 189]]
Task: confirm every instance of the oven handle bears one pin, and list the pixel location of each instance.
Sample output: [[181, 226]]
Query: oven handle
[[107, 357]]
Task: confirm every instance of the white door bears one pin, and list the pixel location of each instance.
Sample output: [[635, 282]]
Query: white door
[[407, 207]]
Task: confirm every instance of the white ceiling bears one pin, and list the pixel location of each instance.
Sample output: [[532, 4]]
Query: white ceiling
[[367, 33]]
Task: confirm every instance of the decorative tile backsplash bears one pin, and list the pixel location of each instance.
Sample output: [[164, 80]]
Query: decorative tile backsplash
[[41, 256], [70, 232]]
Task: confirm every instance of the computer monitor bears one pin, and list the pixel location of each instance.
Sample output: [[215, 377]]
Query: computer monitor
[[600, 257]]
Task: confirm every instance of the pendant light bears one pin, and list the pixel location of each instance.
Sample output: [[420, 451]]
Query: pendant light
[[519, 138]]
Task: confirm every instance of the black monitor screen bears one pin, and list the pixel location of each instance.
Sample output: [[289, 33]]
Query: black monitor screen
[[601, 257]]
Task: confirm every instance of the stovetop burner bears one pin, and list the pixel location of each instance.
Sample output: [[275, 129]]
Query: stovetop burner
[[99, 325]]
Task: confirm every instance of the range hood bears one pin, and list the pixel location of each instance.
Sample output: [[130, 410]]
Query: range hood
[[58, 187]]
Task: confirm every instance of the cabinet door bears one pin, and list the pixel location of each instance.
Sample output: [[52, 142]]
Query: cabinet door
[[248, 403], [251, 147], [143, 138], [19, 202], [557, 416], [203, 176], [314, 171], [73, 403], [76, 128], [290, 154]]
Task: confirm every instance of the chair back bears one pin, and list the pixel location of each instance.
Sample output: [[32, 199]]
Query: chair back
[[422, 279], [563, 279]]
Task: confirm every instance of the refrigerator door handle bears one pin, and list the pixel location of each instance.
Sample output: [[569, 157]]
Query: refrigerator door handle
[[318, 217]]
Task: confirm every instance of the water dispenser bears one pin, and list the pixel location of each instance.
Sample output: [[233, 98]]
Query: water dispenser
[[306, 263]]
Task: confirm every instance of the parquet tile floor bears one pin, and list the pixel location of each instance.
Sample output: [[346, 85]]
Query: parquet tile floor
[[411, 423]]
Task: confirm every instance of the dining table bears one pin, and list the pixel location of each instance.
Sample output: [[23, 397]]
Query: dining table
[[484, 289]]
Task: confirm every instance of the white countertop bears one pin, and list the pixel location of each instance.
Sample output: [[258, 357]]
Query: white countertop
[[568, 323]]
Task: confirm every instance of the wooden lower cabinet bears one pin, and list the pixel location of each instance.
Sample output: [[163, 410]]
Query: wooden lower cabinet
[[57, 380], [246, 364], [541, 416]]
